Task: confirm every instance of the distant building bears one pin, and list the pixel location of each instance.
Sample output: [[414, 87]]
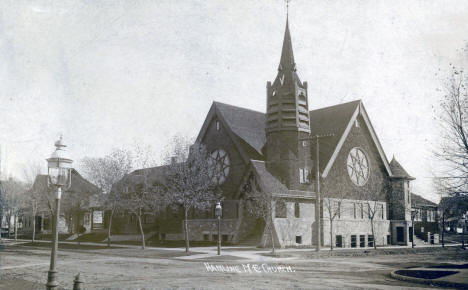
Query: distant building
[[426, 217], [81, 206]]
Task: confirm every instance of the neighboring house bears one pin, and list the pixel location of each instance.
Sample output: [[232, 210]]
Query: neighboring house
[[272, 150], [425, 217], [79, 206]]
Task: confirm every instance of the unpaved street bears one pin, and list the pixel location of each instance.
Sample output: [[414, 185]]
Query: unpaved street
[[133, 268]]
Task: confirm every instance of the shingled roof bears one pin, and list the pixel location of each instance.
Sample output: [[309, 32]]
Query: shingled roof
[[417, 201], [331, 120], [249, 125], [398, 170]]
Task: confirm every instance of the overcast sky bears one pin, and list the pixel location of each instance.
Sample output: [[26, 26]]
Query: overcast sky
[[110, 73]]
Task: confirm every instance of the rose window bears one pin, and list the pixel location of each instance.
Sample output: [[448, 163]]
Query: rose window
[[358, 166], [221, 165]]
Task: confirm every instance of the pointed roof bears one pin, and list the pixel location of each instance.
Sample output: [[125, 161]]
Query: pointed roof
[[287, 78], [287, 55], [398, 170]]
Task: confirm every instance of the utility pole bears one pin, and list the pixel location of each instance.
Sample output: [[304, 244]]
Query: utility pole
[[317, 188]]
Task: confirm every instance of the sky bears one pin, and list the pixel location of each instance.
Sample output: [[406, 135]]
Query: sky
[[109, 74]]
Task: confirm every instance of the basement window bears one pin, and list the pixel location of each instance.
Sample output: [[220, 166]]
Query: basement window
[[298, 239], [370, 240], [353, 241], [339, 241]]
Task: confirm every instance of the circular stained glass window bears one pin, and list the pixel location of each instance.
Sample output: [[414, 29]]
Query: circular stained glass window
[[222, 165], [358, 166]]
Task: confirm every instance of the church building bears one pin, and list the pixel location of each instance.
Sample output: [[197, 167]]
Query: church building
[[365, 197]]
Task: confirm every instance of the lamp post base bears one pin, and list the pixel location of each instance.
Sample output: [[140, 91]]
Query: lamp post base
[[52, 280]]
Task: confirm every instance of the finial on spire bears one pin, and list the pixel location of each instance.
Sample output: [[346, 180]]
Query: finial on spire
[[287, 8]]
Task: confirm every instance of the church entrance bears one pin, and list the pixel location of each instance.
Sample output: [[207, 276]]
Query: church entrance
[[400, 233]]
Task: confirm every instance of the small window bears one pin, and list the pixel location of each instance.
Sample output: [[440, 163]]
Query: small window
[[381, 211], [301, 175], [224, 238], [338, 209], [369, 214], [354, 210], [357, 123], [362, 211], [362, 241], [353, 241], [217, 125], [306, 175], [163, 236], [339, 241], [280, 209], [298, 239], [297, 210], [215, 238], [389, 239], [370, 240], [206, 237]]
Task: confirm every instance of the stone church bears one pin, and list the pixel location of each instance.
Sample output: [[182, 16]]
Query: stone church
[[365, 196]]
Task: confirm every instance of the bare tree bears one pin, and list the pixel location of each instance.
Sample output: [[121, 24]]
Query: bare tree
[[372, 195], [30, 173], [192, 182], [260, 204], [104, 172], [334, 192], [453, 150], [13, 202]]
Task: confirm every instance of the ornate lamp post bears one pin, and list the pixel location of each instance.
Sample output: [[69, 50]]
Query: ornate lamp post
[[59, 175], [218, 211]]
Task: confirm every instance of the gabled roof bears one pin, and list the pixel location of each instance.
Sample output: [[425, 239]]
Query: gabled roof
[[271, 184], [398, 170], [245, 127], [331, 120], [346, 109], [417, 201]]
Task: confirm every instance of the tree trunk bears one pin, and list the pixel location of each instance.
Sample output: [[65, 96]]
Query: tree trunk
[[443, 229], [141, 230], [272, 238], [109, 228], [34, 223], [373, 235], [187, 243], [16, 227], [412, 233], [331, 234], [9, 224]]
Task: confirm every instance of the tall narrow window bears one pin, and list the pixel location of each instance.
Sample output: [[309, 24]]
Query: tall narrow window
[[381, 211], [297, 210], [217, 125], [280, 209], [306, 175], [354, 210], [301, 175], [338, 209], [362, 210]]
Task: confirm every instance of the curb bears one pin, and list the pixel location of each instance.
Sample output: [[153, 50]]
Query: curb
[[439, 283]]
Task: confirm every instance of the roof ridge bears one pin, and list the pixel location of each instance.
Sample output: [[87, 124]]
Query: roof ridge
[[246, 109], [335, 106]]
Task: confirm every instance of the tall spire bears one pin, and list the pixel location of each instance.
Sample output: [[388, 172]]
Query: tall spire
[[287, 55]]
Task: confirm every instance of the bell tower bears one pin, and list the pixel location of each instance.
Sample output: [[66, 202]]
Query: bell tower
[[287, 124]]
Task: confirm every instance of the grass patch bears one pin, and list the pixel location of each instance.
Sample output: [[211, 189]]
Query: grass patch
[[425, 274], [92, 237]]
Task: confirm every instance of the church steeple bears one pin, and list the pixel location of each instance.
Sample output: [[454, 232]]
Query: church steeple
[[287, 123], [287, 55], [287, 104]]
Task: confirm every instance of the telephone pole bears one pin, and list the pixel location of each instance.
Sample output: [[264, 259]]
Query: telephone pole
[[317, 188]]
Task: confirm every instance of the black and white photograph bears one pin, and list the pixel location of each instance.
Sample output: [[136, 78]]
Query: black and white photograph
[[217, 144]]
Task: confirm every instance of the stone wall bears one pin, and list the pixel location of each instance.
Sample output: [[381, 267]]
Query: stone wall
[[289, 228]]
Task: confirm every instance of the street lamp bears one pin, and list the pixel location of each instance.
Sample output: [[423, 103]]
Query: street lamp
[[59, 175], [218, 211]]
